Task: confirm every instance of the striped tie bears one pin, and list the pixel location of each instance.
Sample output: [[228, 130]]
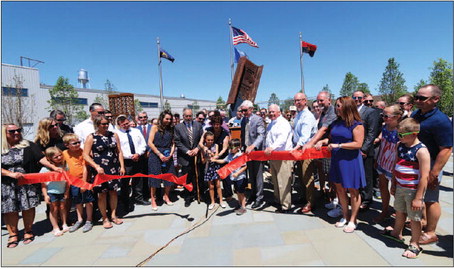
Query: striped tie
[[190, 134]]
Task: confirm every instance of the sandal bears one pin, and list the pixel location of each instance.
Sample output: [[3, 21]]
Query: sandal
[[117, 221], [425, 239], [57, 233], [107, 224], [350, 228], [341, 223], [14, 243], [414, 250], [387, 233], [28, 240]]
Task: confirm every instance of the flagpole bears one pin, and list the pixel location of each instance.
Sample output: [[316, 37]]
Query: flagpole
[[231, 49], [301, 62], [160, 77]]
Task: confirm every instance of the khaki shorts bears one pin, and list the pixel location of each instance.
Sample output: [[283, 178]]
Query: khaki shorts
[[402, 203]]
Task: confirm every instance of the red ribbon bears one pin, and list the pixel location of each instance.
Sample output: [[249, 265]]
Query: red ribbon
[[34, 178], [296, 155]]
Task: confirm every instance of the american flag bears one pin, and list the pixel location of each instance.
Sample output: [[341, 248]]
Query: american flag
[[240, 36]]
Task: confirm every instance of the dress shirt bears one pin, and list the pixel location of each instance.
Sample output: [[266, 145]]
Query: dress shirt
[[279, 134], [235, 122], [137, 139], [86, 128], [360, 107], [305, 127]]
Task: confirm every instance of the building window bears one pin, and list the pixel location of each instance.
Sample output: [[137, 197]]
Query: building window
[[149, 104], [76, 101], [9, 91]]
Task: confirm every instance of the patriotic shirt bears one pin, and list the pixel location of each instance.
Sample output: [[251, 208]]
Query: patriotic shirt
[[387, 156], [407, 166]]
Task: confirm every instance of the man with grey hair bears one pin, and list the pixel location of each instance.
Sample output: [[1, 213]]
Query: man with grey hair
[[436, 134], [60, 117], [86, 127], [279, 138], [305, 127], [252, 138]]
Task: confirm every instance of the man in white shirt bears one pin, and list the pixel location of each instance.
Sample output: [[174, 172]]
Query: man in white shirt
[[305, 127], [86, 127], [279, 138], [133, 146]]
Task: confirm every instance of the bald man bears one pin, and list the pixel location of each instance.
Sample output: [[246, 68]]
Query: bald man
[[279, 138]]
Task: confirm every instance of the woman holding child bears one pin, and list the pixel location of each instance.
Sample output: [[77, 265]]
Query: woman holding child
[[347, 169], [105, 148], [19, 156]]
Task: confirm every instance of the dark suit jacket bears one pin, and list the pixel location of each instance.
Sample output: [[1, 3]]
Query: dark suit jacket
[[148, 126], [182, 140], [371, 122]]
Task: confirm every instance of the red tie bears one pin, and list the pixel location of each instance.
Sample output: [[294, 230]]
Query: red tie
[[144, 130]]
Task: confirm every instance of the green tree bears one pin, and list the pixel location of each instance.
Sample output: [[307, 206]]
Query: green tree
[[64, 97], [195, 106], [442, 76], [103, 98], [273, 99], [421, 83], [137, 106], [167, 106], [363, 87], [220, 103], [286, 104], [392, 84], [350, 85]]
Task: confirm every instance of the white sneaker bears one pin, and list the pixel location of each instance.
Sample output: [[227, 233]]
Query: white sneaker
[[336, 212], [223, 204], [333, 204], [211, 206]]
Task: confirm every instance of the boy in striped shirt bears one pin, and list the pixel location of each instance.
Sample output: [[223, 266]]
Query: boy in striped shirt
[[409, 185]]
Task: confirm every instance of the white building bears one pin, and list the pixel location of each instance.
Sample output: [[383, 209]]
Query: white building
[[37, 96]]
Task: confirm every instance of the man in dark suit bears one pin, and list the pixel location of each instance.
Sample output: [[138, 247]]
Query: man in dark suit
[[140, 186], [252, 138], [371, 123], [187, 138]]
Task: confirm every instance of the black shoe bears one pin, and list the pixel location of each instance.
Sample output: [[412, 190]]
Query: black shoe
[[131, 207], [284, 211], [187, 203], [257, 204], [364, 207], [143, 202]]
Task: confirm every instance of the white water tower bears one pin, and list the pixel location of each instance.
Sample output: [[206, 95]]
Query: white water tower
[[83, 78]]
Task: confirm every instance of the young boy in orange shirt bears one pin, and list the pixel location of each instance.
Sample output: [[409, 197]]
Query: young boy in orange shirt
[[80, 197]]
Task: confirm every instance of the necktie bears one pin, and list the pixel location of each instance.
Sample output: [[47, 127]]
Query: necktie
[[144, 131], [244, 123], [190, 134], [131, 144]]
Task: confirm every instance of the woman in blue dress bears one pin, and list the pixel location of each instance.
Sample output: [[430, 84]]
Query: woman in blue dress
[[347, 169], [160, 160]]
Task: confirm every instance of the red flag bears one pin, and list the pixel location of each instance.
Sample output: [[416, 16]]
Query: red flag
[[308, 48]]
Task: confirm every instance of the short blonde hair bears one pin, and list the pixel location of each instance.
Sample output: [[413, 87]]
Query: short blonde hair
[[396, 110], [70, 136], [51, 152], [409, 125]]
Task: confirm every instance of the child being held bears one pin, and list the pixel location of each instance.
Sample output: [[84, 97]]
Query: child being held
[[56, 192], [409, 185], [238, 177], [80, 197], [211, 168]]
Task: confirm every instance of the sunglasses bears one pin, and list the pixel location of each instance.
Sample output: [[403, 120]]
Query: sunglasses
[[401, 103], [15, 130], [145, 117], [52, 126], [387, 116], [243, 110], [421, 98], [100, 112], [357, 98], [368, 101], [61, 120], [401, 135], [75, 143], [108, 117], [104, 124]]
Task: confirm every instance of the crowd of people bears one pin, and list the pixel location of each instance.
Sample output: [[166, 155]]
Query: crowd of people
[[379, 150]]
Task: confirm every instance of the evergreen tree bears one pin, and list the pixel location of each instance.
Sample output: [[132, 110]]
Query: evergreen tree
[[103, 99], [64, 97], [421, 83], [442, 76], [137, 106], [350, 85], [273, 99], [220, 103], [167, 106], [363, 87], [392, 84]]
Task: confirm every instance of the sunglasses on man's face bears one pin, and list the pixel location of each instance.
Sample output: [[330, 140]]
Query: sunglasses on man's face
[[243, 110], [100, 112], [75, 143], [15, 130], [368, 101], [104, 123], [61, 120], [402, 135], [357, 98], [421, 98], [144, 117], [401, 103]]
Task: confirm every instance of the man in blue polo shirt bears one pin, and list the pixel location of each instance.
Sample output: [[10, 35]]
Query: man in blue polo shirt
[[436, 134]]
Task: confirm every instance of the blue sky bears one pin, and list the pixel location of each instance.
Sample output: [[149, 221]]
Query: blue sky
[[117, 41]]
